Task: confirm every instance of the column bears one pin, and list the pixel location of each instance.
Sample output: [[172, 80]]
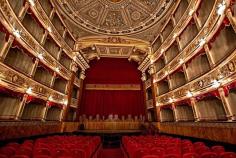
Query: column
[[6, 47], [21, 107], [209, 56], [195, 112], [70, 85], [82, 77], [154, 90], [23, 11], [231, 19], [45, 112], [175, 112], [225, 103], [144, 79], [33, 70]]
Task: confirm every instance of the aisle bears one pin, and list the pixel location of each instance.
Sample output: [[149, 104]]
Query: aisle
[[111, 153]]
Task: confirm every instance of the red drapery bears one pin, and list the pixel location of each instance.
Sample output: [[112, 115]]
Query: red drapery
[[105, 102]]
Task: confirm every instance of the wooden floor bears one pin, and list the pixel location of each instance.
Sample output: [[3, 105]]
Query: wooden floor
[[110, 131]]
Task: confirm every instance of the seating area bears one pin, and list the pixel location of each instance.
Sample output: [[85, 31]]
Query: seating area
[[54, 147], [169, 147]]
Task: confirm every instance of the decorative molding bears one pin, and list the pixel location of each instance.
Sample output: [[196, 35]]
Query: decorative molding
[[211, 26], [82, 75], [224, 73], [11, 23], [179, 27], [113, 47], [18, 82], [144, 77], [134, 87], [46, 22], [148, 83]]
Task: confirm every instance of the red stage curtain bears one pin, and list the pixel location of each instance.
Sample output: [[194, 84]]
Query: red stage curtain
[[112, 102], [105, 102]]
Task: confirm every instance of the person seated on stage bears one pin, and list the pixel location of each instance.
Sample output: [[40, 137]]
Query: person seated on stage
[[136, 118], [97, 118], [90, 118], [122, 118], [80, 119], [110, 118], [141, 118], [129, 118], [116, 118], [103, 118], [84, 118], [144, 118]]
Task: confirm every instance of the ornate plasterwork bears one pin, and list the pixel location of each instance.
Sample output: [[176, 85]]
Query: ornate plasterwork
[[114, 17], [113, 87], [18, 82], [116, 47]]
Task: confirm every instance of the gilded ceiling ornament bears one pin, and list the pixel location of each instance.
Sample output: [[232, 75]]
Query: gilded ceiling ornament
[[93, 13], [114, 17], [135, 15], [231, 66]]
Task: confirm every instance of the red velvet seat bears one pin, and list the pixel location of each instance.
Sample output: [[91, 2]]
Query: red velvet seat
[[172, 156], [151, 156], [209, 155], [139, 153], [173, 150], [8, 150], [218, 149], [228, 155], [189, 149], [78, 153], [3, 156], [15, 145], [42, 156], [157, 151], [61, 152], [42, 151], [191, 155], [197, 144], [20, 156], [24, 151], [202, 149]]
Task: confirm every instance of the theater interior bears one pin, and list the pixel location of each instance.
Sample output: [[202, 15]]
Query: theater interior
[[117, 79]]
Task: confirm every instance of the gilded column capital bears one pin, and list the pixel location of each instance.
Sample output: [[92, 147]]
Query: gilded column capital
[[82, 75], [74, 67], [144, 77], [151, 69]]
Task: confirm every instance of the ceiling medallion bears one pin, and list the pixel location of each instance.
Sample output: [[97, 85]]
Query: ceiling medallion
[[135, 15], [93, 13]]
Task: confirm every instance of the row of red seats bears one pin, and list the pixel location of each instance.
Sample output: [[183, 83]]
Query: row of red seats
[[53, 147], [169, 147]]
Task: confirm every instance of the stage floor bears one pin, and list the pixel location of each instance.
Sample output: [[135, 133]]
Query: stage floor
[[110, 131]]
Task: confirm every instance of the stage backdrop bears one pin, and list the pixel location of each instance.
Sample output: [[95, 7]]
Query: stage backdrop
[[120, 75]]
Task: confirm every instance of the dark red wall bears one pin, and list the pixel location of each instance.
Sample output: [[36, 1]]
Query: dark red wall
[[104, 102]]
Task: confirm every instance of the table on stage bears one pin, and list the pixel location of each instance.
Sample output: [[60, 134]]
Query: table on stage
[[112, 125]]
